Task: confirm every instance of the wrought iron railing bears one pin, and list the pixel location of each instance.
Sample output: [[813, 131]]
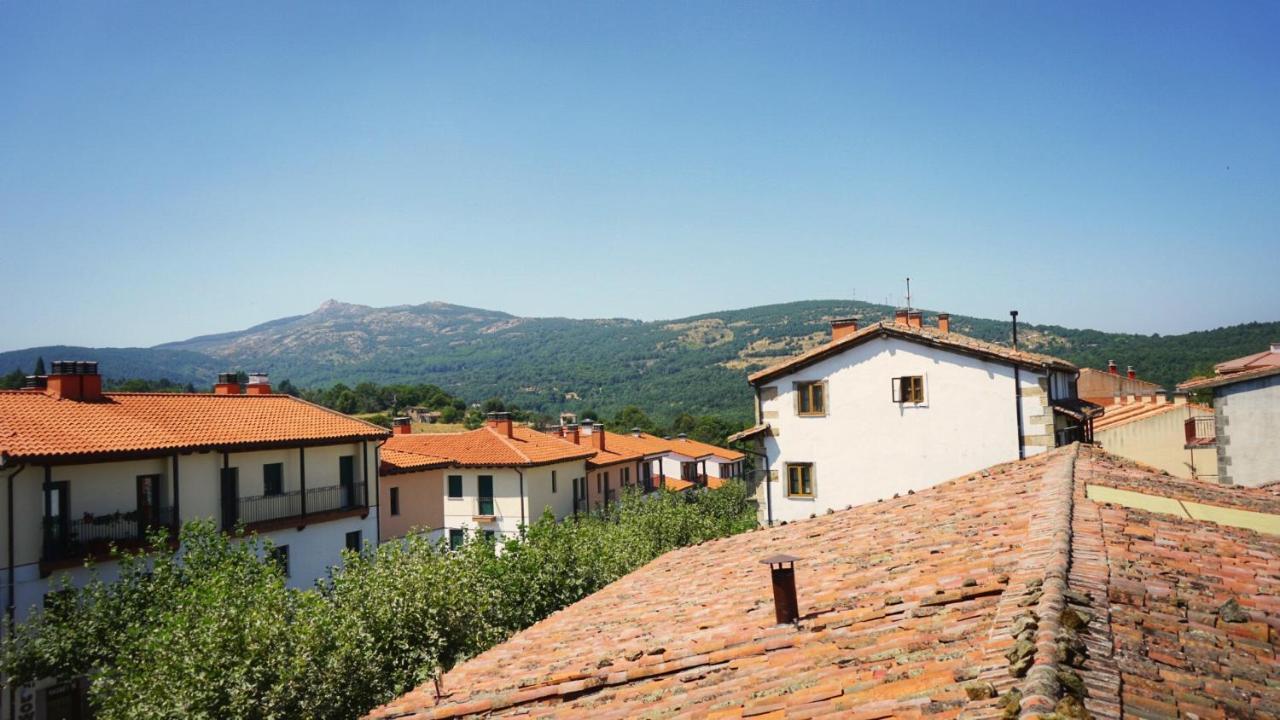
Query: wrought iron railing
[[277, 506], [96, 532]]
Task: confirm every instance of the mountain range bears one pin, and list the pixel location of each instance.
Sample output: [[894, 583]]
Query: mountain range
[[696, 364]]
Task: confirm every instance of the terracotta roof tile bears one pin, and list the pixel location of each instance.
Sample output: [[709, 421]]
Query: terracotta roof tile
[[1229, 378], [36, 425], [485, 447], [1124, 413], [926, 335], [1007, 578]]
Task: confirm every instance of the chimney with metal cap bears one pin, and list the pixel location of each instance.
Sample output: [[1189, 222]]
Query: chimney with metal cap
[[1132, 375], [258, 384], [501, 421], [842, 327], [597, 437], [401, 426], [74, 380], [900, 316], [228, 384], [1111, 367], [782, 570], [915, 318]]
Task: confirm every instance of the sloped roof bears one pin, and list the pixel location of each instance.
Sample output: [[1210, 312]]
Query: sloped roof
[[696, 449], [910, 603], [1229, 379], [483, 447], [1266, 359], [924, 335], [1124, 413], [396, 461], [35, 425]]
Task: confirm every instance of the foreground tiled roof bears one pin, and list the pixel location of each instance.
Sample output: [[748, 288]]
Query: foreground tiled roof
[[1005, 583], [1121, 414], [34, 425], [482, 447], [924, 335]]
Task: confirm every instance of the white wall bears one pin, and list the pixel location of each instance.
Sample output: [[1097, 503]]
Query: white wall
[[1160, 441], [1248, 425], [509, 504], [868, 447]]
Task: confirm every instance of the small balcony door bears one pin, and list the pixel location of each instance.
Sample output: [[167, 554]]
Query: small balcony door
[[148, 503], [57, 512], [230, 497], [347, 480], [484, 505]]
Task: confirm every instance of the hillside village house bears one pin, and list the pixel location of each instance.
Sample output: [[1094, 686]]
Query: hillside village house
[[492, 480], [1037, 586], [85, 469], [1112, 387], [896, 407], [1245, 432]]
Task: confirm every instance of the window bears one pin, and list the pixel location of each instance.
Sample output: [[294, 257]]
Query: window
[[626, 476], [456, 538], [908, 389], [280, 556], [273, 478], [553, 481], [799, 479], [395, 501], [811, 398], [354, 540], [455, 487], [599, 482], [490, 536], [485, 504]]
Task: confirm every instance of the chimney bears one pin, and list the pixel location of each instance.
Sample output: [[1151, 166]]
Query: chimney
[[560, 430], [36, 382], [575, 435], [258, 384], [1111, 367], [944, 322], [842, 327], [78, 380], [1275, 347], [1179, 398], [782, 570], [228, 384], [900, 316], [401, 426], [915, 318], [1013, 322], [501, 422], [597, 437], [1132, 375], [636, 431], [588, 427]]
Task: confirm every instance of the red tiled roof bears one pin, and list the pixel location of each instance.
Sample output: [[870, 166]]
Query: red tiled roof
[[696, 449], [486, 447], [1125, 413], [1229, 378], [917, 606], [34, 425], [924, 335], [1257, 361], [403, 461]]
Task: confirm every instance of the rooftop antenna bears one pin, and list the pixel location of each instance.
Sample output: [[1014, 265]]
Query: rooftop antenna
[[908, 294]]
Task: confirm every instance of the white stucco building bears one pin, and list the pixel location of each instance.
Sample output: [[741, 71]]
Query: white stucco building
[[85, 470], [1246, 422], [896, 407]]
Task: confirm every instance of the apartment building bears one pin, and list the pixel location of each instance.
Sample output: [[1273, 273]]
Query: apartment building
[[897, 407], [85, 470], [1246, 418], [492, 480]]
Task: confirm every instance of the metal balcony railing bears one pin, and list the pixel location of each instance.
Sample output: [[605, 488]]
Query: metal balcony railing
[[1200, 431], [95, 532], [260, 508]]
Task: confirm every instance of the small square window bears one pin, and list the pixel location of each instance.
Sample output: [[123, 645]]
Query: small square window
[[456, 538], [455, 487], [395, 500], [800, 480], [811, 398]]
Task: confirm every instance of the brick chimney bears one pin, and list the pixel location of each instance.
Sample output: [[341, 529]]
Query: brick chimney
[[915, 318], [900, 316], [1132, 375], [228, 384], [74, 380], [501, 422], [1111, 367], [258, 384], [574, 434], [842, 327], [401, 426], [597, 437], [944, 322]]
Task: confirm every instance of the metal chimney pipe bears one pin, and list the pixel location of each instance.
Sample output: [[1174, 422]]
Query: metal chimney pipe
[[1014, 314], [782, 570]]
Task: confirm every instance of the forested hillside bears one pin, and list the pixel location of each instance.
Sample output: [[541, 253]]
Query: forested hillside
[[693, 365]]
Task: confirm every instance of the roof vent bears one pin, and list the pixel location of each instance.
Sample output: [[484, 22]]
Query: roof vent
[[683, 436], [636, 431], [782, 570], [35, 382]]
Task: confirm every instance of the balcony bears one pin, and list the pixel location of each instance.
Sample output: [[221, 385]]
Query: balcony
[[93, 534], [484, 510], [297, 506], [1200, 432]]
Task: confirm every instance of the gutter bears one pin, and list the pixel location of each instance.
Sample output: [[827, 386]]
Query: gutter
[[377, 473], [523, 522], [768, 486]]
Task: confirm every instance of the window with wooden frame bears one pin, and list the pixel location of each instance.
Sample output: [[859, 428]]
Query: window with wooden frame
[[800, 480], [811, 398], [908, 389]]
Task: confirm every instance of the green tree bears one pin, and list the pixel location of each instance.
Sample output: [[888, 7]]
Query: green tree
[[632, 417], [39, 365]]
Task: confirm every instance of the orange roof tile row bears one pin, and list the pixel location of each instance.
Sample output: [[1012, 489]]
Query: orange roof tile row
[[34, 425], [483, 447], [1229, 378], [911, 604], [1121, 414], [925, 335]]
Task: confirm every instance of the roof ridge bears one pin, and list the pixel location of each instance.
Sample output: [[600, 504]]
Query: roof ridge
[[504, 440], [331, 411]]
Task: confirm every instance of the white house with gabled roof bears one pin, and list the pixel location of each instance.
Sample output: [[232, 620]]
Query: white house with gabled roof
[[896, 407]]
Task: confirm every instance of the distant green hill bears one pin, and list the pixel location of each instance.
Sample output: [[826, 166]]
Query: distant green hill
[[696, 364]]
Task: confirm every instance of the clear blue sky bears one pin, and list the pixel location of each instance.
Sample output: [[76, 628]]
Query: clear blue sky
[[172, 169]]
